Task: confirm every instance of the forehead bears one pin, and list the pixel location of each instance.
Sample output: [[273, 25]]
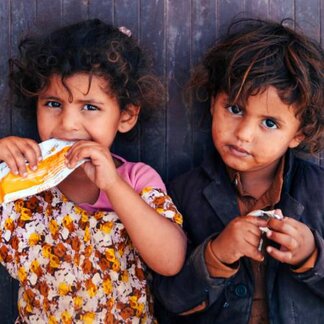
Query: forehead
[[266, 100], [78, 84]]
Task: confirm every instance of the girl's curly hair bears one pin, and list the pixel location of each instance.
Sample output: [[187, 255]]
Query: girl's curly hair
[[92, 47], [256, 54]]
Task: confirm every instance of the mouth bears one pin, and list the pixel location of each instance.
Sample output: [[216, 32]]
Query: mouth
[[70, 139], [238, 151]]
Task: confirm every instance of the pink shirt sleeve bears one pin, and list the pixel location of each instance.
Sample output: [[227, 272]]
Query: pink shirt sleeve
[[137, 174]]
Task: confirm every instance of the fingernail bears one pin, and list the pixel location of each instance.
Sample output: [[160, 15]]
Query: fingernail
[[24, 175], [34, 168]]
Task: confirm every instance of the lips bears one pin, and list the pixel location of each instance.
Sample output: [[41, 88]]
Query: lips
[[238, 151]]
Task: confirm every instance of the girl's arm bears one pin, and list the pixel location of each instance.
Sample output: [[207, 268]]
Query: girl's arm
[[160, 242]]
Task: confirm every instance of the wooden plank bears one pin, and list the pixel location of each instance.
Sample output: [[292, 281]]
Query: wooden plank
[[74, 11], [126, 14], [23, 22], [258, 8], [308, 20], [179, 136], [227, 10], [308, 17], [8, 297], [153, 136], [322, 23], [102, 9], [279, 9], [203, 36], [49, 14], [5, 108]]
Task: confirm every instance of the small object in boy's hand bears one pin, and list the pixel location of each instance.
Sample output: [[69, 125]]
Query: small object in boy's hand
[[266, 215]]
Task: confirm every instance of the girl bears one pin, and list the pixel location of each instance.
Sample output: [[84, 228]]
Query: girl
[[265, 83], [77, 249]]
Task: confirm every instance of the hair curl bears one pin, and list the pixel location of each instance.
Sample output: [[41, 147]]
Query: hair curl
[[256, 54], [92, 47]]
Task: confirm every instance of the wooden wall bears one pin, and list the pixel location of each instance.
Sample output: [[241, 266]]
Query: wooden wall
[[176, 32]]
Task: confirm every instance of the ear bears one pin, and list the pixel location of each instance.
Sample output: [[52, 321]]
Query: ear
[[128, 118], [299, 137]]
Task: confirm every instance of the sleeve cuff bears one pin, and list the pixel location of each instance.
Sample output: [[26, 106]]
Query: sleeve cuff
[[215, 267], [308, 264]]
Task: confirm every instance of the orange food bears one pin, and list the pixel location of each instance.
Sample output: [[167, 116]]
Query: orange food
[[46, 168]]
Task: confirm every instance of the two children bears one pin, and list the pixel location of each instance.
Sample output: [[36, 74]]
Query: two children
[[78, 248], [265, 83]]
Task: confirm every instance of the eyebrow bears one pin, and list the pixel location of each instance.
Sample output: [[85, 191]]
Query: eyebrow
[[92, 101], [49, 98], [277, 119]]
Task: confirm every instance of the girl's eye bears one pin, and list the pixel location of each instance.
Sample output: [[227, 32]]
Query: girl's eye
[[53, 104], [269, 123], [235, 109], [89, 107]]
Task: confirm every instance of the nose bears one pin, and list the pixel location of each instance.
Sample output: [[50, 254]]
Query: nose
[[69, 120], [245, 130]]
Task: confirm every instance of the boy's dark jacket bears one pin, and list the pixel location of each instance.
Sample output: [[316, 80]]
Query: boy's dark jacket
[[207, 200]]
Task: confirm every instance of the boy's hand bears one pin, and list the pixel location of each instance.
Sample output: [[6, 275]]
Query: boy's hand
[[16, 151], [241, 237], [296, 241]]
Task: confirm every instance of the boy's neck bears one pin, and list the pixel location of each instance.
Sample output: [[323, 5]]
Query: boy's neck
[[256, 183]]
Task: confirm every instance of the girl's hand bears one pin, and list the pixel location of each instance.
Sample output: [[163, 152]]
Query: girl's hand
[[296, 241], [100, 168], [16, 151], [241, 237]]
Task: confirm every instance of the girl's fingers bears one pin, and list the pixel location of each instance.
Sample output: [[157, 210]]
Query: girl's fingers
[[84, 150], [16, 161], [32, 155]]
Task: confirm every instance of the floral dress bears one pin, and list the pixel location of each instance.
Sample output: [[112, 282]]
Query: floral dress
[[76, 266]]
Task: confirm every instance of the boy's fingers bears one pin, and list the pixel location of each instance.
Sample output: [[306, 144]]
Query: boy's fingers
[[283, 239], [256, 221], [255, 254], [282, 256], [283, 226]]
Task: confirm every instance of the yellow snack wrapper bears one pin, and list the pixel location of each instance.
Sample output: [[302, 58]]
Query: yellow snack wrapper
[[50, 172]]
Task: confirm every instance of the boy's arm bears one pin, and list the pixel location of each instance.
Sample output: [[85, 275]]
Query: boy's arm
[[192, 287], [314, 277]]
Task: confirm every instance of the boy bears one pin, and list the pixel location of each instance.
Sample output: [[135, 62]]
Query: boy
[[265, 84]]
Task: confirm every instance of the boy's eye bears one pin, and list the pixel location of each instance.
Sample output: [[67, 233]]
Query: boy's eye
[[53, 104], [269, 123], [90, 107], [235, 109]]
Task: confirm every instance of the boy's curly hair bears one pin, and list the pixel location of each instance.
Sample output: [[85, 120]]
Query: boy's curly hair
[[256, 54], [92, 47]]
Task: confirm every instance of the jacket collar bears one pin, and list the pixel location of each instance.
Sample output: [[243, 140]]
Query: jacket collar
[[221, 195]]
